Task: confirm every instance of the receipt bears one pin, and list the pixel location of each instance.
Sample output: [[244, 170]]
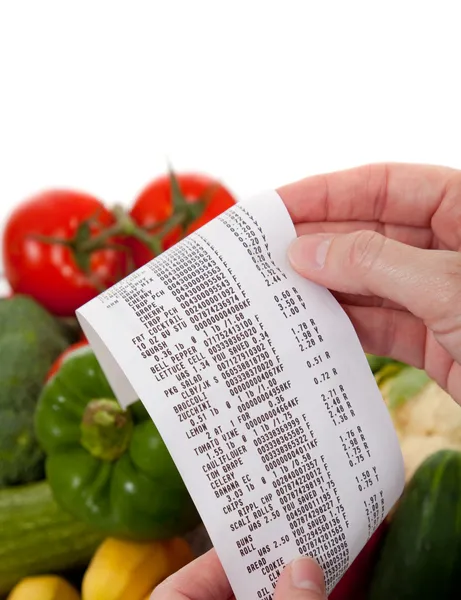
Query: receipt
[[258, 384]]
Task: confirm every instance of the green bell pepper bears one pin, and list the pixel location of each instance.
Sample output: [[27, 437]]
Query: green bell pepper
[[107, 466]]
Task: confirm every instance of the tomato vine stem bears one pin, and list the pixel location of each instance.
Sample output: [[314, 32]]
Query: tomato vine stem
[[85, 241]]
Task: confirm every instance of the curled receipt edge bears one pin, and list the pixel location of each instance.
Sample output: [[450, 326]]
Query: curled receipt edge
[[258, 384]]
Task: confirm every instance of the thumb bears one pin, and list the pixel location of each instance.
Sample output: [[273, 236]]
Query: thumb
[[301, 580], [425, 282]]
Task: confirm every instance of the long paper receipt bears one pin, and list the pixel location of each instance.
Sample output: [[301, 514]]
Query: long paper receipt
[[261, 391]]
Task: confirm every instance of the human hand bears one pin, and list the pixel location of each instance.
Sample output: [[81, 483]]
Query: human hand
[[386, 239], [204, 579]]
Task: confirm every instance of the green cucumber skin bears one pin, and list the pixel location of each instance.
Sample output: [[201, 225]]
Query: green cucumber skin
[[421, 555], [37, 536]]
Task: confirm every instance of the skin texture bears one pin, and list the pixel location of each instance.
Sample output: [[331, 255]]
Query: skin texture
[[386, 239], [392, 256], [204, 579]]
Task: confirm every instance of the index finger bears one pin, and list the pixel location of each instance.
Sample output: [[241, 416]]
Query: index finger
[[402, 194], [202, 579]]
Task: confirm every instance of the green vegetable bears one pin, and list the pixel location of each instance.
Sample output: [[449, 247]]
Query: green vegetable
[[37, 536], [107, 466], [70, 329], [402, 386], [376, 363], [398, 382], [421, 555], [30, 341]]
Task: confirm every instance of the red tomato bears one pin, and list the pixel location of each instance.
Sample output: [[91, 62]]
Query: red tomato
[[48, 271], [356, 580], [58, 362], [154, 205]]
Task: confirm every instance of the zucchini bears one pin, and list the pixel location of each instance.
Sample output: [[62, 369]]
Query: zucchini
[[37, 536], [421, 554]]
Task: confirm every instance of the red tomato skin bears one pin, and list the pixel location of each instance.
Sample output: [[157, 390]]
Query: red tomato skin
[[47, 271], [153, 205]]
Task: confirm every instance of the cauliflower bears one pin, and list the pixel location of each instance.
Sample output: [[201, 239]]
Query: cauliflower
[[426, 418]]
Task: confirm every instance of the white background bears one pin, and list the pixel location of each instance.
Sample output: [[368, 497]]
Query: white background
[[98, 95]]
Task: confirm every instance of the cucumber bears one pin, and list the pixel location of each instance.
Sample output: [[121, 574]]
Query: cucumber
[[421, 554], [37, 536]]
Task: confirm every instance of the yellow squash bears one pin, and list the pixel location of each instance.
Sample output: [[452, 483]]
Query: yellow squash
[[43, 587], [122, 569]]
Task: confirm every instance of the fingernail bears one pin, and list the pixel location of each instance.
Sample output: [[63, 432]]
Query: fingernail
[[309, 251], [306, 575]]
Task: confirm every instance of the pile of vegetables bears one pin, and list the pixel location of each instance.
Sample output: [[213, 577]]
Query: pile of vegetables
[[91, 503], [63, 247], [425, 417], [416, 553], [118, 569], [419, 555], [107, 466]]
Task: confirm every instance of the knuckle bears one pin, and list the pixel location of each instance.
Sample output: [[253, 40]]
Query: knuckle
[[446, 221], [455, 183], [449, 295], [365, 249]]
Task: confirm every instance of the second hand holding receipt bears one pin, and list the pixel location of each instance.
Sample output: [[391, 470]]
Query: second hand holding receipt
[[258, 385]]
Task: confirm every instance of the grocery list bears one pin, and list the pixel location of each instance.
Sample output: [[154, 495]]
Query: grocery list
[[261, 391]]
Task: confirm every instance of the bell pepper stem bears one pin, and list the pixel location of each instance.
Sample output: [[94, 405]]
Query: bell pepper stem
[[106, 429]]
